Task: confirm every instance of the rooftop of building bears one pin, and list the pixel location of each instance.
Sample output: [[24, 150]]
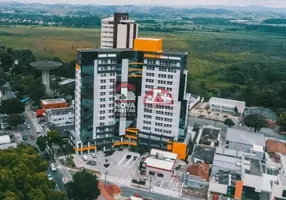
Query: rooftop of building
[[226, 177], [245, 137], [204, 153], [67, 81], [115, 50], [210, 134], [53, 101], [60, 111], [228, 152], [226, 162], [108, 191], [252, 166], [200, 169], [161, 160], [5, 139], [275, 146], [228, 102], [145, 38]]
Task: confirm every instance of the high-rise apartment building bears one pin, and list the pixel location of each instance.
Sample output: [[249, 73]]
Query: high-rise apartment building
[[132, 97], [118, 31]]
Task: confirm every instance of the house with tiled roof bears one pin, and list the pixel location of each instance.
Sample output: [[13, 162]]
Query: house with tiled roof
[[201, 170]]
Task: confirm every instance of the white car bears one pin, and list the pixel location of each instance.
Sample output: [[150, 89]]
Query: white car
[[50, 177], [53, 167], [84, 157], [93, 155], [28, 126]]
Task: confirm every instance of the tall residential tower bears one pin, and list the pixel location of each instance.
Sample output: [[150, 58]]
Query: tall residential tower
[[132, 97], [118, 31]]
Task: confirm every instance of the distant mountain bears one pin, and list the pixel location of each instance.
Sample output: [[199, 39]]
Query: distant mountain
[[254, 12]]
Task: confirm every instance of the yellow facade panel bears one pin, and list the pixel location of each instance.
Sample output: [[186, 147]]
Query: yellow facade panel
[[77, 67]]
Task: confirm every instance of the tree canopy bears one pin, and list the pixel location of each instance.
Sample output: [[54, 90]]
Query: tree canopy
[[15, 119], [83, 187], [12, 106], [23, 176], [255, 121], [229, 122], [282, 121]]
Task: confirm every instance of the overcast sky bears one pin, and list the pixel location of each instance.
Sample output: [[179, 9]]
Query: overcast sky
[[268, 3]]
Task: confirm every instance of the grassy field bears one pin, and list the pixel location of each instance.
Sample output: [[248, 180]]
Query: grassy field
[[208, 51]]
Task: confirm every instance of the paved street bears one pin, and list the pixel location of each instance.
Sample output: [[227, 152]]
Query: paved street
[[57, 177], [127, 192]]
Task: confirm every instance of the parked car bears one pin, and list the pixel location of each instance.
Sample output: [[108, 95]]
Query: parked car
[[53, 167], [90, 162], [25, 137], [50, 177], [93, 155], [84, 157], [32, 137]]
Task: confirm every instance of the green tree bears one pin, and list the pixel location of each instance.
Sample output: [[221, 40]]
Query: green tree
[[15, 119], [6, 59], [282, 121], [228, 122], [83, 187], [23, 176], [255, 121], [42, 142], [54, 138], [2, 81], [12, 106], [55, 141], [36, 90]]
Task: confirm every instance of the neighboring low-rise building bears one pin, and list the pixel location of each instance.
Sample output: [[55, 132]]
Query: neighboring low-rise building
[[209, 135], [226, 106], [245, 141], [160, 164], [53, 103], [60, 116], [5, 142], [202, 154]]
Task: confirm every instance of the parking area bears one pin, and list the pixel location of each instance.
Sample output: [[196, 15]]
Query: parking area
[[123, 164]]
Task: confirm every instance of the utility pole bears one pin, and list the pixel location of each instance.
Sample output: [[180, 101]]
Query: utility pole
[[105, 179], [150, 188]]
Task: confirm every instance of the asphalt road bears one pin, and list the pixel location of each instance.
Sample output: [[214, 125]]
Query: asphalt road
[[127, 192], [57, 177]]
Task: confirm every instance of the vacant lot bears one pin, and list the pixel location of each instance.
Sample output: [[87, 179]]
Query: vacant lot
[[209, 52]]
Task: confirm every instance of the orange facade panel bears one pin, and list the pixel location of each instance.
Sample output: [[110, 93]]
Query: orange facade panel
[[85, 148], [148, 44], [180, 149], [238, 190]]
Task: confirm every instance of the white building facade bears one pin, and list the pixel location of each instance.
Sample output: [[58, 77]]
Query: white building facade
[[60, 116], [118, 31], [104, 75]]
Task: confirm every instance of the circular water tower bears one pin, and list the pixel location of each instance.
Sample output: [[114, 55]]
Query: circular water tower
[[45, 67]]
